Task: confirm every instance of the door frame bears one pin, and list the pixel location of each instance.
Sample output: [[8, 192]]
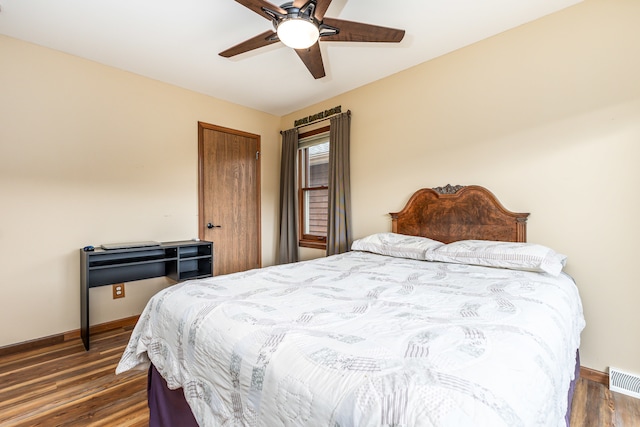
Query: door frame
[[201, 128]]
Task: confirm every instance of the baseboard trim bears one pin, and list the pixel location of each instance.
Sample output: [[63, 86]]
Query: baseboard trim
[[593, 375], [128, 322]]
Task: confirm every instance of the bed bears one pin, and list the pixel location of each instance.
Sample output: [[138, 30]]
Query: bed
[[450, 319]]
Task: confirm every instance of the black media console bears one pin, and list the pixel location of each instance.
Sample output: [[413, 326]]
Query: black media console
[[177, 260]]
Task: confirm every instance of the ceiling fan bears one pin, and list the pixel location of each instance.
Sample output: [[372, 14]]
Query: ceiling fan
[[301, 24]]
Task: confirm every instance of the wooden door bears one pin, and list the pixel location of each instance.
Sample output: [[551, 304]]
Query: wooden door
[[229, 199]]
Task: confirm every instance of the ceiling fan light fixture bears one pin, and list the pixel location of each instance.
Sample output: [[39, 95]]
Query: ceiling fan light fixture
[[298, 33]]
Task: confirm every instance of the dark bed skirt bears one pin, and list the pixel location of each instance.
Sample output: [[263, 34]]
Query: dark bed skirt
[[572, 388], [168, 408]]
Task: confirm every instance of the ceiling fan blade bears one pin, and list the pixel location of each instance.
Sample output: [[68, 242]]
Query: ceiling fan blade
[[321, 7], [256, 42], [312, 58], [257, 5], [359, 32]]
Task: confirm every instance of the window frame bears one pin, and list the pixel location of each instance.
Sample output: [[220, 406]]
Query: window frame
[[305, 239]]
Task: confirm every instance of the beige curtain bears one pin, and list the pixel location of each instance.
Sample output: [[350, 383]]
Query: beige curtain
[[339, 233], [288, 240]]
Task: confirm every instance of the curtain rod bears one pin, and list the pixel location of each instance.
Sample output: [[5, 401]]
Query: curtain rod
[[348, 112]]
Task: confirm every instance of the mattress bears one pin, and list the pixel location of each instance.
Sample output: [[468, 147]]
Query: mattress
[[168, 408], [361, 339]]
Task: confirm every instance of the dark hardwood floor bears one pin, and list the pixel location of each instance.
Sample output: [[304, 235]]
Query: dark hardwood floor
[[595, 406], [62, 385]]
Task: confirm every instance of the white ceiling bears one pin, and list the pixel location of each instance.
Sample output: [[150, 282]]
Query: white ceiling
[[178, 41]]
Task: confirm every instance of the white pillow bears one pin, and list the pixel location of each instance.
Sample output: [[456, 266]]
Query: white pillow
[[397, 245], [511, 255]]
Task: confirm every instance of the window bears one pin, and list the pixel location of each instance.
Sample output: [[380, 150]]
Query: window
[[313, 188]]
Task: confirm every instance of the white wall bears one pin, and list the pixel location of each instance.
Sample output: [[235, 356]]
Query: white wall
[[547, 116], [88, 155]]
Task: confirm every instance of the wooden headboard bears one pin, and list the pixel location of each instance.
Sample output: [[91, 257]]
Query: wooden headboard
[[458, 212]]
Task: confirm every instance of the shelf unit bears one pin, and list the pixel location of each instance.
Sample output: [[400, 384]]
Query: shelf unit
[[195, 261], [181, 260]]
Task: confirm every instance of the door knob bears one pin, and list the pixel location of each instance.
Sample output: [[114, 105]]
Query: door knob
[[209, 225]]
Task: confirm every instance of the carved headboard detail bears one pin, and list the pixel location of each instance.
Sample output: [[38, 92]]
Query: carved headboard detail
[[452, 213]]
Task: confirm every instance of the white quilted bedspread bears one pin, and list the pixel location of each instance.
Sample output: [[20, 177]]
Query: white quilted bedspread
[[366, 340]]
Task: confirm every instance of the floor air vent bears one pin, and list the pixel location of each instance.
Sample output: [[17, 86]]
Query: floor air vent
[[624, 383]]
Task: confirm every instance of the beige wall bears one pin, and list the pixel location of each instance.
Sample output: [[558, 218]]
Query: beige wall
[[89, 155], [547, 116]]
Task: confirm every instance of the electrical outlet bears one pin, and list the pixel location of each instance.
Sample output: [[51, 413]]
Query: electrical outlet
[[118, 290]]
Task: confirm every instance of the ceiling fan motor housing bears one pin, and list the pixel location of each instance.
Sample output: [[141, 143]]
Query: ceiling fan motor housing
[[304, 13]]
